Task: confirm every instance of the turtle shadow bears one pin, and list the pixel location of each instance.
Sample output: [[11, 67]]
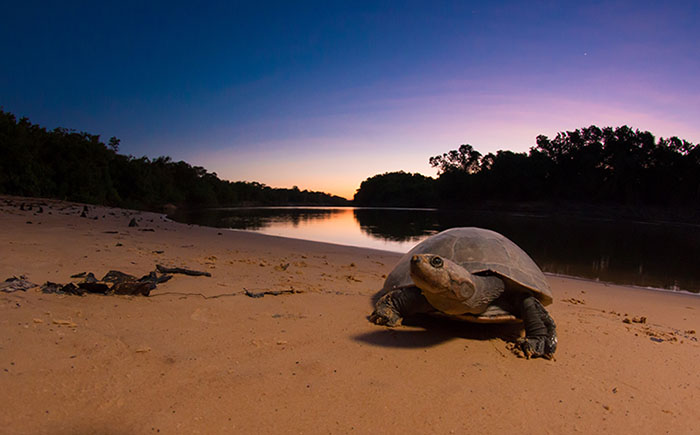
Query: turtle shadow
[[428, 331]]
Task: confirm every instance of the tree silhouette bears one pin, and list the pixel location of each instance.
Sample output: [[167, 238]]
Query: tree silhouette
[[76, 166], [607, 166], [397, 189], [464, 159]]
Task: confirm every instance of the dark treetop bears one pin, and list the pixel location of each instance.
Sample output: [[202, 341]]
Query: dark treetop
[[608, 166], [74, 166]]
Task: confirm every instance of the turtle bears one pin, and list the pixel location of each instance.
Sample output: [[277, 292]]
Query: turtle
[[472, 274]]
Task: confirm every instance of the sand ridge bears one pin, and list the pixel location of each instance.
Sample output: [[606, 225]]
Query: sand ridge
[[199, 356]]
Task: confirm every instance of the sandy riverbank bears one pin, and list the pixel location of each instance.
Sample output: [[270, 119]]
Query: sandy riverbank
[[198, 356]]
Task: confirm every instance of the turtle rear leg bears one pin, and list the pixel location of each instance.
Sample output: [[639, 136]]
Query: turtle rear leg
[[391, 308], [540, 330]]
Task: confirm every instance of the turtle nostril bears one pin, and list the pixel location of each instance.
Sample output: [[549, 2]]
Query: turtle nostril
[[415, 259]]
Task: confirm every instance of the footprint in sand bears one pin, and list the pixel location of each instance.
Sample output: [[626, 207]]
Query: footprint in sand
[[657, 333]]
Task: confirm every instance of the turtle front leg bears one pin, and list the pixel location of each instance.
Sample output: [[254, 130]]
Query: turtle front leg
[[397, 304], [540, 330]]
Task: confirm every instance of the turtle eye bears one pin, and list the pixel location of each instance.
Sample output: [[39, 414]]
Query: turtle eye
[[436, 262]]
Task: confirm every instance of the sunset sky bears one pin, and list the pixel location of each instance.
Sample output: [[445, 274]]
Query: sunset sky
[[324, 94]]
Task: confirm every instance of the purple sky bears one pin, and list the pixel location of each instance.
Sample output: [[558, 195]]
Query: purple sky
[[325, 94]]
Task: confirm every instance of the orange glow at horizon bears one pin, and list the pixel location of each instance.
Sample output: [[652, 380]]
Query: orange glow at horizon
[[342, 228], [337, 164]]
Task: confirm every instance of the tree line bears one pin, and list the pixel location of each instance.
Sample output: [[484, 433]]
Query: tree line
[[77, 166], [611, 166]]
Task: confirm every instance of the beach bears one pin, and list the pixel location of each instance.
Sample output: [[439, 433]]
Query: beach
[[198, 355]]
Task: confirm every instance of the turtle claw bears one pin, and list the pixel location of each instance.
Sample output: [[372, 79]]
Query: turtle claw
[[385, 311], [540, 331], [533, 347], [385, 317], [529, 346]]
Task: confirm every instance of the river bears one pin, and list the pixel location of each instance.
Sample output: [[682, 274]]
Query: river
[[644, 254]]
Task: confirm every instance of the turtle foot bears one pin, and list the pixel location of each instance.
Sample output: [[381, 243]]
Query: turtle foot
[[534, 347], [386, 317], [540, 331], [385, 311]]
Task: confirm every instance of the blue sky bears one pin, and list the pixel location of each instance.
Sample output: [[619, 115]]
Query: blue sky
[[325, 94]]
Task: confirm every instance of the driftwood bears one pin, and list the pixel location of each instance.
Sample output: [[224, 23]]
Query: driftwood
[[268, 292], [115, 276], [163, 269], [14, 284], [133, 288], [114, 282], [68, 289]]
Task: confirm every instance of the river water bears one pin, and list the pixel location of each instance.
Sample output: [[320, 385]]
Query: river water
[[623, 252]]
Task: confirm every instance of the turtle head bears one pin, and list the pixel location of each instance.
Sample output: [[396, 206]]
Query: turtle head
[[446, 285]]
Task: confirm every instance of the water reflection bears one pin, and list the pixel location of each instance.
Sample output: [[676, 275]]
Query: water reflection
[[255, 218], [643, 254], [399, 225]]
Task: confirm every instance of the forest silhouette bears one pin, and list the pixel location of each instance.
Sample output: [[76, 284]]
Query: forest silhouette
[[68, 165], [594, 166]]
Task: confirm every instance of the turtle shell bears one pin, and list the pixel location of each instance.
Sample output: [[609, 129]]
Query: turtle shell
[[481, 252]]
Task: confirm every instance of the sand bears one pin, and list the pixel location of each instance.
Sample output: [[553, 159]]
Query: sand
[[199, 356]]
